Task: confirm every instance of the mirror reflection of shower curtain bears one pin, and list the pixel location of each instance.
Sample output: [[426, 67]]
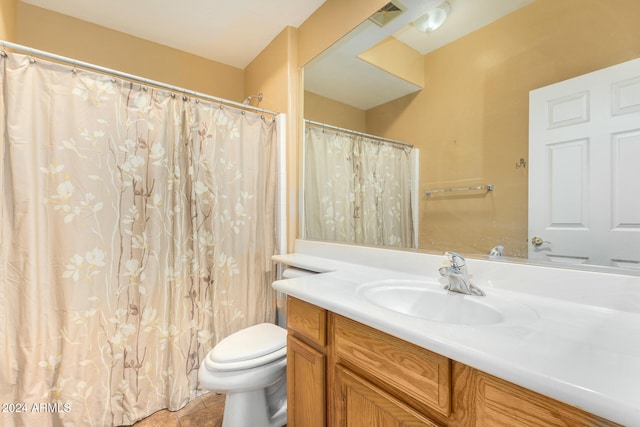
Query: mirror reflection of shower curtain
[[357, 189]]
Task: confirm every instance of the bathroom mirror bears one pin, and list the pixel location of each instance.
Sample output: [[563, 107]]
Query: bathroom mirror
[[460, 95]]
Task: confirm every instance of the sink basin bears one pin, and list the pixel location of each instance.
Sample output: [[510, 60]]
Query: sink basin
[[428, 300]]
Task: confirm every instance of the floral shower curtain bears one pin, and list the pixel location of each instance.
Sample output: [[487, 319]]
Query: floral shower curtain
[[357, 189], [137, 232]]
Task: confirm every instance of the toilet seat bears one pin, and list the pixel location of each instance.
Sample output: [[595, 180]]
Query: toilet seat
[[248, 348]]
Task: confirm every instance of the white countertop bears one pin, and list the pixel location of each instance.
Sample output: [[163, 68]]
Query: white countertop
[[581, 346]]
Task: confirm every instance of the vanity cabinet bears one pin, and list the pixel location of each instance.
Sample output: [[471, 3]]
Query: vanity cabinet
[[343, 373], [306, 364]]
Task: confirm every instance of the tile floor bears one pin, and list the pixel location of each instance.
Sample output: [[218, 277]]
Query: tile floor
[[204, 411]]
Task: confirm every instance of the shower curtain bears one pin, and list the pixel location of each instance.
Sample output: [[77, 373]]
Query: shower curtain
[[137, 229], [356, 189]]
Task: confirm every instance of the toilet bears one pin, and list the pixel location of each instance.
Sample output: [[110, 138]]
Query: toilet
[[250, 366]]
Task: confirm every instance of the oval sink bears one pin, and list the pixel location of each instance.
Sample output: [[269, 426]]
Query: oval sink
[[428, 300]]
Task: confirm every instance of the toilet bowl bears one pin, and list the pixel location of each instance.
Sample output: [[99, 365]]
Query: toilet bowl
[[250, 366]]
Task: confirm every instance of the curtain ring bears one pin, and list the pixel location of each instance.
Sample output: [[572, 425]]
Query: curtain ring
[[32, 60]]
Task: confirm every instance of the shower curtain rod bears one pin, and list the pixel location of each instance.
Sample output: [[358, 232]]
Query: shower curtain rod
[[366, 135], [131, 77]]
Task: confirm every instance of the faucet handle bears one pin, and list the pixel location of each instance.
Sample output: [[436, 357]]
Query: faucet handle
[[456, 260]]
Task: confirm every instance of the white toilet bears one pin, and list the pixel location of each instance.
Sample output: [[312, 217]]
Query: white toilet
[[250, 366]]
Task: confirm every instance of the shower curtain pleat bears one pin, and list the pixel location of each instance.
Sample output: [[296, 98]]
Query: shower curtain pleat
[[137, 228]]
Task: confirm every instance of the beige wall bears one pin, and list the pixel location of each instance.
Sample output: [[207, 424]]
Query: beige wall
[[324, 110], [8, 15], [60, 34], [271, 72], [471, 120], [395, 57]]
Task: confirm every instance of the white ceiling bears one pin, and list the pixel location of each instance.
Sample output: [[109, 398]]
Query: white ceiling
[[232, 32], [466, 16]]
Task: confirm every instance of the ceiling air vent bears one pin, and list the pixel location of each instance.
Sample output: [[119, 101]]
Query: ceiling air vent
[[388, 13]]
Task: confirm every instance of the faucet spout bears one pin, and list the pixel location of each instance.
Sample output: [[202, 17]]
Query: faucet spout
[[458, 279]]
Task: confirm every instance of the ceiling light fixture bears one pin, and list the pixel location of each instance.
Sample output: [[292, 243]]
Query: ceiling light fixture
[[433, 19]]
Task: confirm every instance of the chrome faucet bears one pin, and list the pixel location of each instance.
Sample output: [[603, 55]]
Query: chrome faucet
[[458, 279]]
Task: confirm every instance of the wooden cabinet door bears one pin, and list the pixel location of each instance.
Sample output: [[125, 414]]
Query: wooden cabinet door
[[417, 376], [308, 321], [502, 404], [361, 404], [306, 395]]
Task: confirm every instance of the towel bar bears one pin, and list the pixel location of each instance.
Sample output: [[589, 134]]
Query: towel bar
[[488, 187]]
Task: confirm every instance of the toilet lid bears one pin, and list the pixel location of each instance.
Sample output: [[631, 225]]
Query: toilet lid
[[264, 342]]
